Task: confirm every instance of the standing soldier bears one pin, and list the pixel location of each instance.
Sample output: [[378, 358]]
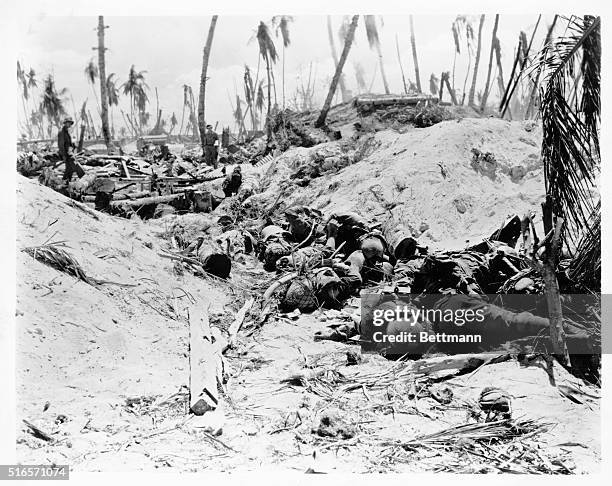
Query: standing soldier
[[211, 143], [65, 148]]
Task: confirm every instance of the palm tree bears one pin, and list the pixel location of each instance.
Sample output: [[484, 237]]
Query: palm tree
[[476, 62], [414, 55], [237, 114], [434, 84], [185, 105], [84, 124], [260, 99], [462, 25], [571, 155], [332, 44], [22, 78], [360, 77], [136, 87], [173, 123], [203, 78], [91, 73], [348, 41], [374, 42], [52, 104], [282, 26], [267, 51], [249, 95], [113, 97], [494, 41]]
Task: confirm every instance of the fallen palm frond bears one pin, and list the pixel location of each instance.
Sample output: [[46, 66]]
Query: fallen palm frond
[[499, 446], [585, 268], [55, 256], [499, 430]]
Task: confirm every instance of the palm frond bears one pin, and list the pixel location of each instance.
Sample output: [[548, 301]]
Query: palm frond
[[112, 91], [32, 81], [267, 50], [434, 85], [585, 267], [282, 25], [91, 71], [238, 111], [591, 79], [570, 146], [249, 90], [371, 30], [259, 103], [84, 112], [455, 30]]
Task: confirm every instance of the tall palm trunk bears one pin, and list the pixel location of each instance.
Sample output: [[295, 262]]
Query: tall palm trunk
[[414, 56], [182, 120], [332, 45], [194, 122], [103, 93], [382, 69], [500, 71], [476, 62], [348, 41], [399, 60], [485, 95], [201, 101], [268, 124]]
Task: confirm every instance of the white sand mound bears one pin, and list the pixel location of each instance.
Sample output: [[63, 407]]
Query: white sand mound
[[424, 179], [82, 348]]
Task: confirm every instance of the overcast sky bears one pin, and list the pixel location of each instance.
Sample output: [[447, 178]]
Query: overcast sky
[[170, 50]]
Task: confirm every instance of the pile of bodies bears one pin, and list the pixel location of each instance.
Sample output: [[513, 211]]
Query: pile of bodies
[[330, 260]]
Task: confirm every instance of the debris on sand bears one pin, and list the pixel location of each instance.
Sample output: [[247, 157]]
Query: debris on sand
[[53, 255], [332, 424]]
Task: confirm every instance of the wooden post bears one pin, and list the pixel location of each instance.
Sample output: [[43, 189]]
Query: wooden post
[[551, 284], [203, 363]]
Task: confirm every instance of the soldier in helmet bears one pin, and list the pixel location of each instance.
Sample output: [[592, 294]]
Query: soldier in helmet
[[66, 148], [211, 143]]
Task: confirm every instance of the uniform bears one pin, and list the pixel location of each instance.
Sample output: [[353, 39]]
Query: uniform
[[210, 149], [64, 144]]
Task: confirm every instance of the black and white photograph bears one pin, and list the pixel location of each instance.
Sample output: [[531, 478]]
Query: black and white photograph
[[306, 243]]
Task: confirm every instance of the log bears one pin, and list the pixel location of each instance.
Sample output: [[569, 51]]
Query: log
[[148, 200], [238, 320], [121, 197], [463, 363], [82, 184], [125, 169], [38, 432], [393, 100], [204, 363]]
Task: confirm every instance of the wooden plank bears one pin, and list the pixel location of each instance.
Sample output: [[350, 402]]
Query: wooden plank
[[238, 320], [148, 200], [127, 172], [204, 360]]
